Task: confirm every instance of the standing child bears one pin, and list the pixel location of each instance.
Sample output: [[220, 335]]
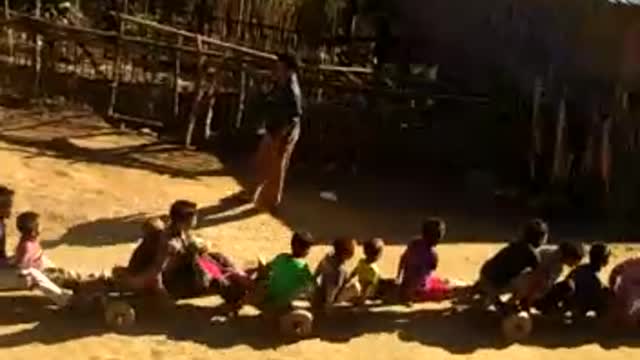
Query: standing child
[[418, 263], [332, 273], [367, 272], [500, 274], [6, 205]]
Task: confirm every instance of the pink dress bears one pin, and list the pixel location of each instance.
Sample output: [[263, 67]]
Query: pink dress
[[29, 255]]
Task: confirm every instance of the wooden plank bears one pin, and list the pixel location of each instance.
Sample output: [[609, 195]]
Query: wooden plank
[[136, 120]]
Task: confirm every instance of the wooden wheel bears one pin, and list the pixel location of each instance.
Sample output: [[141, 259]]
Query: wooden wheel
[[119, 315], [517, 327], [296, 324]]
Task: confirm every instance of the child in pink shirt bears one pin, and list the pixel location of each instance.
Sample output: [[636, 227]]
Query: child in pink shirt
[[29, 261]]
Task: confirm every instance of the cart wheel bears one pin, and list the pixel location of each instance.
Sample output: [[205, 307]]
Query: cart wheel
[[119, 315], [517, 327], [296, 324]]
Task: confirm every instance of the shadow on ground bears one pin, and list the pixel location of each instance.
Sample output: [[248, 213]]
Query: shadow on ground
[[455, 332]]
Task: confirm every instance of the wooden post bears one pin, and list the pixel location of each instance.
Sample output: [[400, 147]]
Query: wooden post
[[115, 75], [7, 15], [535, 129], [37, 54], [210, 109], [558, 148], [240, 20], [176, 81], [241, 98], [199, 93]]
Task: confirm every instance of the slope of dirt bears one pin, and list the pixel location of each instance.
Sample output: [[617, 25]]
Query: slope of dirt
[[93, 185]]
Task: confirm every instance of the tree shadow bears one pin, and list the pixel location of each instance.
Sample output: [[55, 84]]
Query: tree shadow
[[101, 232]]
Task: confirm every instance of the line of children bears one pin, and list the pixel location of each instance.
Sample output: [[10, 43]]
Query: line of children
[[170, 261]]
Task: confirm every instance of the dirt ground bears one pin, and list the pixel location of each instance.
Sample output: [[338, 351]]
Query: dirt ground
[[93, 185]]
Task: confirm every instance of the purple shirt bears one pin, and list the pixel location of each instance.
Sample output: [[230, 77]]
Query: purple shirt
[[420, 260]]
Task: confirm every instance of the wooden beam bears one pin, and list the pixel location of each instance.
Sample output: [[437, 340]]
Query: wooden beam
[[136, 120]]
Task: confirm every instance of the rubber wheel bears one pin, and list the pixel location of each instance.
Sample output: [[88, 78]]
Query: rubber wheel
[[119, 315], [517, 327], [296, 324]]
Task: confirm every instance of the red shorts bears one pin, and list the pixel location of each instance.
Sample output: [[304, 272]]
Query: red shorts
[[434, 288]]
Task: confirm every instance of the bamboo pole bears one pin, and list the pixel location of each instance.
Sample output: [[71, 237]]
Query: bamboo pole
[[558, 149], [241, 98], [7, 16], [210, 109], [199, 93], [37, 53], [535, 129], [176, 81], [116, 68]]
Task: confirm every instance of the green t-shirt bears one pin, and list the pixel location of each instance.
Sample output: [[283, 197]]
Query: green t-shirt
[[288, 277]]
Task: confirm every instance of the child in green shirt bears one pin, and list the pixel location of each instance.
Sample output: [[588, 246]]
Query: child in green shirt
[[287, 276]]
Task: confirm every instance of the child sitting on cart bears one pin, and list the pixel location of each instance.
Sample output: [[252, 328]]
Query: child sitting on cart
[[581, 291], [501, 274], [25, 269], [416, 272], [170, 262], [284, 279]]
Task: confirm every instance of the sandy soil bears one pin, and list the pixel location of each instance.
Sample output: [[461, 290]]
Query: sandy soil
[[93, 185]]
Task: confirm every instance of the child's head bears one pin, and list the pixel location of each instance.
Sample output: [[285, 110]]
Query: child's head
[[373, 249], [535, 233], [28, 224], [571, 252], [599, 255], [6, 201], [433, 230], [152, 228], [344, 248], [183, 214], [301, 243]]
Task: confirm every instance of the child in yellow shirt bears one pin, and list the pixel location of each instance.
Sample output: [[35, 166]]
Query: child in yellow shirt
[[367, 272]]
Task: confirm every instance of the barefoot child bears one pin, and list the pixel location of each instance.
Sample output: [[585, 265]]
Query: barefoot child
[[332, 273], [418, 263], [6, 204], [534, 289], [29, 262], [500, 274], [587, 291], [143, 273], [367, 273], [286, 277]]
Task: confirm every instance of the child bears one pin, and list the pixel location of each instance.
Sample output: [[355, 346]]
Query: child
[[367, 272], [588, 292], [417, 264], [6, 204], [624, 281], [140, 274], [534, 286], [29, 262], [500, 274], [286, 277], [332, 273]]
